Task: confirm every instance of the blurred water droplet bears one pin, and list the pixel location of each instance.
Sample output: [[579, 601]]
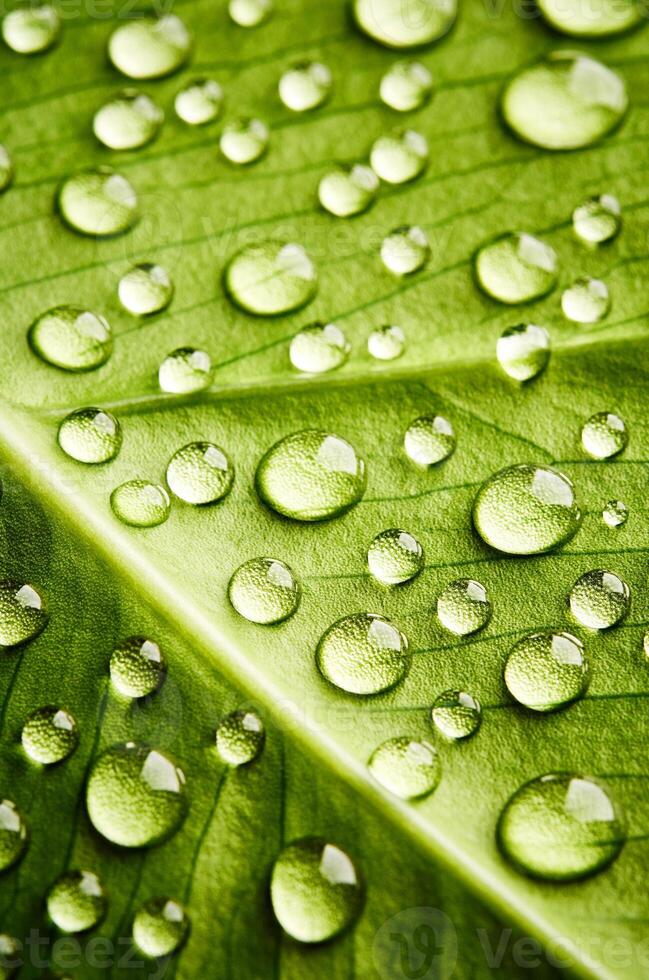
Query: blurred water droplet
[[406, 85], [347, 190], [31, 29], [150, 47], [400, 156], [6, 168], [90, 435], [598, 219], [98, 202], [586, 301], [199, 101], [271, 278], [318, 348], [128, 121], [185, 370], [244, 140], [405, 250], [516, 268], [160, 926], [249, 13], [13, 835], [593, 20], [523, 351], [22, 615], [407, 767], [71, 338], [400, 25], [145, 288], [363, 654], [386, 343], [305, 85], [240, 737], [140, 503]]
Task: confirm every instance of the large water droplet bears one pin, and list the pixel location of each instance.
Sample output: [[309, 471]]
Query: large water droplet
[[76, 901], [137, 667], [464, 607], [240, 737], [185, 370], [264, 590], [429, 440], [406, 85], [160, 926], [305, 86], [546, 671], [516, 268], [407, 767], [566, 101], [399, 157], [98, 202], [90, 435], [50, 735], [586, 301], [199, 102], [386, 343], [597, 220], [405, 250], [395, 556], [150, 47], [145, 288], [523, 351], [604, 435], [615, 513], [22, 616], [140, 503], [311, 476], [271, 278], [200, 473], [13, 835], [128, 121], [526, 510], [400, 25], [363, 654], [456, 714], [71, 338], [348, 189], [31, 29], [601, 18], [318, 348], [249, 13], [560, 827], [599, 599], [135, 795], [6, 168], [244, 140]]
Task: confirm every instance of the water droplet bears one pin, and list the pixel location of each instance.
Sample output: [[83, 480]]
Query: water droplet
[[523, 351], [318, 348], [315, 890], [456, 714], [98, 202], [429, 440], [160, 926], [13, 835], [240, 738], [406, 85], [199, 102], [311, 476], [566, 101], [348, 189], [71, 338], [135, 795], [405, 250], [128, 121], [22, 616], [399, 157], [140, 503], [604, 435], [244, 140], [526, 510], [249, 13], [586, 301], [386, 343], [271, 278], [10, 950], [145, 288], [185, 370], [31, 29], [363, 654], [395, 556], [615, 513], [516, 268], [200, 473], [598, 219], [76, 901], [264, 590], [464, 607], [396, 24], [602, 19], [599, 599], [90, 435], [305, 85], [150, 47], [546, 671], [137, 667], [6, 168], [50, 735], [407, 767], [560, 827]]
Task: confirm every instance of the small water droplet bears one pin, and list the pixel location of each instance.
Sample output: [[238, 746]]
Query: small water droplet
[[400, 25], [429, 440], [406, 85], [185, 370], [395, 556], [249, 13], [526, 510], [598, 219], [240, 737], [599, 599], [137, 667], [408, 767], [386, 343], [6, 168], [516, 268], [363, 654], [90, 435], [31, 29], [128, 121], [145, 288], [347, 190], [13, 835], [150, 47], [546, 671], [560, 827], [305, 85], [566, 101], [456, 714], [160, 926], [22, 616], [271, 278], [615, 513], [50, 735], [399, 157], [244, 140], [601, 19], [405, 250], [264, 590], [135, 795], [318, 348], [464, 607], [604, 435], [140, 503], [76, 901], [200, 473], [98, 202], [10, 950], [199, 102], [523, 351], [311, 476], [586, 301], [71, 338]]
